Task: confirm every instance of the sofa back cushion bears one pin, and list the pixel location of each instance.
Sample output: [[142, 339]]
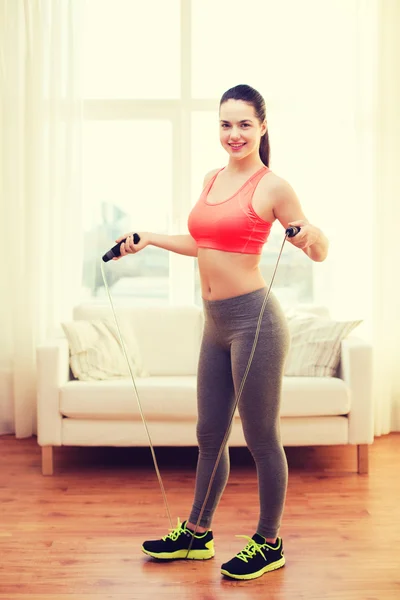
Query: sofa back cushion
[[315, 348], [168, 337]]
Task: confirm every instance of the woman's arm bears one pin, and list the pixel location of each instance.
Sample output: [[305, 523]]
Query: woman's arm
[[314, 242], [181, 244], [287, 209]]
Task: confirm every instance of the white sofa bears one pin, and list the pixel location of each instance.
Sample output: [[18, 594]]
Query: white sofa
[[315, 410]]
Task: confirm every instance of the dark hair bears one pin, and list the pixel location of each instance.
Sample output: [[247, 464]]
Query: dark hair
[[248, 94]]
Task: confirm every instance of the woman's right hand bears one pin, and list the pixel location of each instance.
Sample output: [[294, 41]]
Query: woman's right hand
[[128, 247]]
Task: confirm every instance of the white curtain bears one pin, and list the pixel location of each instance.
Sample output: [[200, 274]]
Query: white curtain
[[40, 226], [385, 239]]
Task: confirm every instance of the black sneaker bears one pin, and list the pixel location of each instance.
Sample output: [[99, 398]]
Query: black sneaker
[[175, 545], [257, 558]]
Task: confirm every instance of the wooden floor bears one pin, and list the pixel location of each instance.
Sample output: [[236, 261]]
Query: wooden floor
[[77, 535]]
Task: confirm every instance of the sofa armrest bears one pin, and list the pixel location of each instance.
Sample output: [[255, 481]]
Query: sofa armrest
[[52, 360], [356, 370]]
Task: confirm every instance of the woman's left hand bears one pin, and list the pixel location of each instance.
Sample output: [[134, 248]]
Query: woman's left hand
[[307, 236]]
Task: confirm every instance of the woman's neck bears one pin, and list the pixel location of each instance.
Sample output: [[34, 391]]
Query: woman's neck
[[246, 165]]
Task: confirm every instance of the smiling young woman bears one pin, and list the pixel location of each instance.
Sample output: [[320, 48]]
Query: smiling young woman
[[228, 227]]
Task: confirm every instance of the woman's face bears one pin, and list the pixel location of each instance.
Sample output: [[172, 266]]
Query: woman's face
[[240, 129]]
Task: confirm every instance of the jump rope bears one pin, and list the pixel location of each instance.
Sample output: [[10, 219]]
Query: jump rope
[[116, 251]]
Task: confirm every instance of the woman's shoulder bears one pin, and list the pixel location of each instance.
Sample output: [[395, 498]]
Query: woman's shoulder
[[208, 176], [274, 182], [272, 190], [276, 192]]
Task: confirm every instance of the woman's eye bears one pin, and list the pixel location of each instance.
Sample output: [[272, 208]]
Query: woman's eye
[[225, 125]]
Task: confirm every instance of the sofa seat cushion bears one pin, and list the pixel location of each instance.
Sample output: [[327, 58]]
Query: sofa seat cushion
[[174, 398], [160, 397], [315, 397]]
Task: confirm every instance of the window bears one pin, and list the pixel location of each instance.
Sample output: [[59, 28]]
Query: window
[[153, 75]]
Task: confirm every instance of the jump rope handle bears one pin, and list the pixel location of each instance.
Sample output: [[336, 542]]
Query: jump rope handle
[[292, 231], [116, 250]]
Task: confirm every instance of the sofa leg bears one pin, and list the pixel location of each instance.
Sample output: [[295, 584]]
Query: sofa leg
[[47, 460], [362, 458]]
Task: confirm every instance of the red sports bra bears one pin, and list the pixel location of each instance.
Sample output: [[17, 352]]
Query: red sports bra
[[231, 225]]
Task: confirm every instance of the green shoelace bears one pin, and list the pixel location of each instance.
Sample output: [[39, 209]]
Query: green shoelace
[[174, 533], [250, 550]]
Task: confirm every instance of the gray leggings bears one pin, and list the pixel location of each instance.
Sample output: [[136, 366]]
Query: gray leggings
[[229, 331]]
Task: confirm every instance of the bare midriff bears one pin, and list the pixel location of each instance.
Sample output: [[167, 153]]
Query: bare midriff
[[228, 274]]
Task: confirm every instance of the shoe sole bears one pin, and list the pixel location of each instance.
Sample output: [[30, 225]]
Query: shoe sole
[[272, 567], [181, 554]]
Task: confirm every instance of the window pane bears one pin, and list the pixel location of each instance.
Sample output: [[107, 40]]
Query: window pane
[[284, 49], [125, 190], [131, 49]]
